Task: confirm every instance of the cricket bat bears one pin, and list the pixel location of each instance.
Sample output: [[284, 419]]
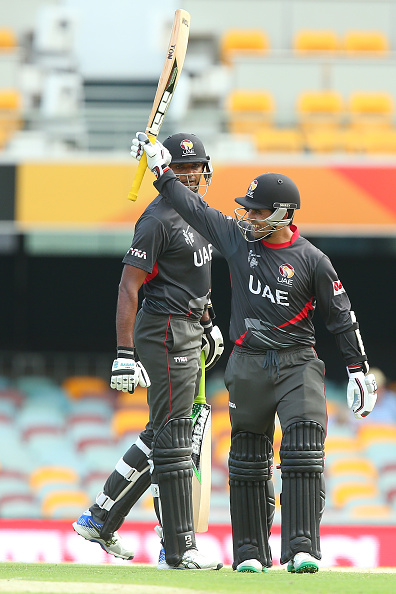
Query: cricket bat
[[201, 456], [166, 87]]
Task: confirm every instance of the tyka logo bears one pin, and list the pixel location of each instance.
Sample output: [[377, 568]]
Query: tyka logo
[[137, 253], [180, 359]]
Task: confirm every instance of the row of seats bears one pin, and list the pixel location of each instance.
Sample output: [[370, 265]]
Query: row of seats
[[8, 40], [10, 114], [242, 42], [58, 444], [325, 121]]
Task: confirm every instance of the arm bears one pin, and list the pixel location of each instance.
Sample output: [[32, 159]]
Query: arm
[[127, 370], [335, 307]]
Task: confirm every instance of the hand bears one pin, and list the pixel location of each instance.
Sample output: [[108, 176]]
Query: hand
[[212, 343], [127, 371], [158, 157], [361, 391]]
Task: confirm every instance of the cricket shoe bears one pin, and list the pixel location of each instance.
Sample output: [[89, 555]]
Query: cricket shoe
[[90, 530], [303, 563], [192, 559], [251, 566]]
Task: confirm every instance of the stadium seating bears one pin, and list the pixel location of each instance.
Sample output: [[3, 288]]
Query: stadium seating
[[249, 111], [316, 41], [8, 39], [356, 43], [243, 42]]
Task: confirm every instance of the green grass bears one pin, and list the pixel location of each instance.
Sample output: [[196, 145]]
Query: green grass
[[224, 581]]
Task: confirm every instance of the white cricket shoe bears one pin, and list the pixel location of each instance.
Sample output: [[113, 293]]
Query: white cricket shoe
[[251, 566], [303, 563], [86, 527], [191, 559]]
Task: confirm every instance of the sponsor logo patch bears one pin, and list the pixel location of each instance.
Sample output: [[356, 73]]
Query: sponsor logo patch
[[286, 272], [137, 253], [338, 288]]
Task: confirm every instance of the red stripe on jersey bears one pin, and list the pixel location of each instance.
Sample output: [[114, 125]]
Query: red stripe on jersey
[[167, 362], [303, 314], [240, 339], [278, 246], [152, 274]]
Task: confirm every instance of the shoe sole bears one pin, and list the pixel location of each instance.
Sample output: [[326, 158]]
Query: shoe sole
[[307, 567], [103, 546]]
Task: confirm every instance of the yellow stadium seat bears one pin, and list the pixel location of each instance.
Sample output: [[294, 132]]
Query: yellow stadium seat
[[8, 40], [372, 433], [78, 386], [249, 111], [348, 491], [246, 42], [320, 109], [45, 475], [64, 504], [129, 420], [380, 141], [371, 511], [368, 109], [356, 42], [10, 114], [352, 466], [279, 140], [220, 422], [316, 41]]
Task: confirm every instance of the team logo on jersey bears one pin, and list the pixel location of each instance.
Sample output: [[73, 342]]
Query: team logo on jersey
[[188, 236], [187, 147], [286, 273], [251, 188], [253, 259], [338, 288]]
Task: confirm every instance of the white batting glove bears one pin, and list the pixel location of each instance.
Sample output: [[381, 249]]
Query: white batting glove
[[212, 344], [158, 157], [127, 371], [361, 391]]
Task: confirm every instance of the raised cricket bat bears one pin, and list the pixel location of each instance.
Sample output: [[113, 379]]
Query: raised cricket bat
[[166, 87], [201, 456]]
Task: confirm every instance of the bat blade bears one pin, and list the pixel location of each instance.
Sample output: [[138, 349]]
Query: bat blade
[[170, 75], [201, 457]]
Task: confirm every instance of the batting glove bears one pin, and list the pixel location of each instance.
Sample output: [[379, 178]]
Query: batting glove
[[127, 371], [158, 157], [361, 391], [212, 343]]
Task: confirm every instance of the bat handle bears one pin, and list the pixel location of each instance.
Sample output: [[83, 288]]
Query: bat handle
[[201, 397], [141, 170]]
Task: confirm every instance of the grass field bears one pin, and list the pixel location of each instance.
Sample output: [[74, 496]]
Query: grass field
[[45, 578]]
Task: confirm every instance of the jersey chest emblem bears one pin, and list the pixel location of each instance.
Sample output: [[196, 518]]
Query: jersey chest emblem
[[286, 273]]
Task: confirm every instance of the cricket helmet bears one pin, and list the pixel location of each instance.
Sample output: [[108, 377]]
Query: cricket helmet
[[269, 191], [188, 148]]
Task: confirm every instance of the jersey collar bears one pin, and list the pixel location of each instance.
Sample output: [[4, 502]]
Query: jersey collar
[[278, 246]]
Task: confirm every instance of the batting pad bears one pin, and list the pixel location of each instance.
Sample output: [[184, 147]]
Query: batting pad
[[172, 473], [303, 491], [252, 499]]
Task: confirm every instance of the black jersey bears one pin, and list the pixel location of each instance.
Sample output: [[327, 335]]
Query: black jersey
[[275, 287], [177, 259]]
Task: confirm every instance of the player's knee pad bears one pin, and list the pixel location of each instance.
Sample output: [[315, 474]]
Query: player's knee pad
[[252, 499], [303, 492], [172, 487], [123, 488]]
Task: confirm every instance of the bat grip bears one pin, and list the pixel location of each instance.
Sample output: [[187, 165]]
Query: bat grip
[[141, 170], [201, 397]]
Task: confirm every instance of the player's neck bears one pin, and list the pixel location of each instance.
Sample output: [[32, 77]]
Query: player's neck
[[281, 236]]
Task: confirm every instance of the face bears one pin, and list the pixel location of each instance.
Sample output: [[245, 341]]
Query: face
[[257, 218], [188, 173]]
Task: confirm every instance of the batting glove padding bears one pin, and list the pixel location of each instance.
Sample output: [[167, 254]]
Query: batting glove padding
[[212, 344], [158, 157], [127, 371], [361, 391]]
